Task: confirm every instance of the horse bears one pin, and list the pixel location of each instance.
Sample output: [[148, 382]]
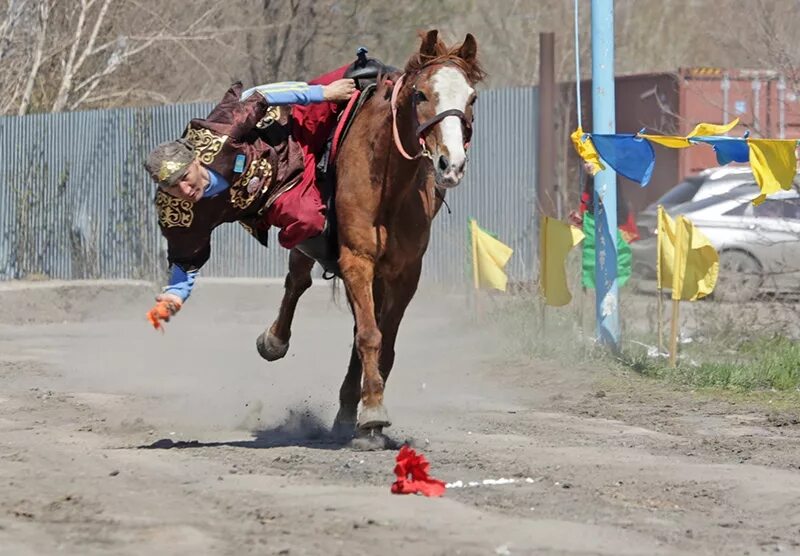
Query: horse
[[406, 147]]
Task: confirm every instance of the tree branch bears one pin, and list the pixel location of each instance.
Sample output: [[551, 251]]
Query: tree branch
[[88, 49], [44, 16], [69, 67]]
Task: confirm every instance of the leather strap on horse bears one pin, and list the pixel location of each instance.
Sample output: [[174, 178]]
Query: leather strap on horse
[[348, 116], [397, 142], [425, 126], [338, 132]]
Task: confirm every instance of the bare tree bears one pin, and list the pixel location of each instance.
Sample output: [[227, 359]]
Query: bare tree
[[94, 52], [66, 55], [43, 17]]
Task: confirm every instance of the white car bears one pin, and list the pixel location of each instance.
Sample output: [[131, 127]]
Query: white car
[[708, 183], [759, 246]]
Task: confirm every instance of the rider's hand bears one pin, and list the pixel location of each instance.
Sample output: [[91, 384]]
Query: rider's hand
[[167, 304], [341, 89]]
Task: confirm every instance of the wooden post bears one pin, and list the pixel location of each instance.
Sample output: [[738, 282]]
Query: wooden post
[[660, 317], [678, 270], [475, 275], [659, 281], [546, 139], [673, 341], [543, 319]]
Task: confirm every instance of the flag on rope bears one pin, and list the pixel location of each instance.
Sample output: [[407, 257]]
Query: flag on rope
[[588, 262], [774, 164], [629, 155], [687, 262], [556, 239], [701, 129], [774, 161], [489, 257], [585, 149]]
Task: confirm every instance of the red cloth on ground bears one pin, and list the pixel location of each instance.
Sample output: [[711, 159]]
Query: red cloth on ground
[[300, 212], [412, 475]]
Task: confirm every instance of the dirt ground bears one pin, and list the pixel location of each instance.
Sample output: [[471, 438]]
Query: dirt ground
[[115, 439]]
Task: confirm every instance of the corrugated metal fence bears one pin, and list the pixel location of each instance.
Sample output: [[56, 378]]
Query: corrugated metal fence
[[75, 201]]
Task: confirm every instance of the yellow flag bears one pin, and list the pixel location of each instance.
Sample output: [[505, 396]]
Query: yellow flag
[[774, 164], [696, 263], [555, 241], [586, 150], [701, 130], [665, 247], [489, 257]]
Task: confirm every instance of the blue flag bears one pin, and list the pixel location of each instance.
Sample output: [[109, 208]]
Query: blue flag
[[629, 155], [728, 149]]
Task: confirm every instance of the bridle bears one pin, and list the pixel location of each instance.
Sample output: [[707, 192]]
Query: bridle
[[424, 127]]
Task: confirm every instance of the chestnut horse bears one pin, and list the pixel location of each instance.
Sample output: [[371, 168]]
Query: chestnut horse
[[406, 146]]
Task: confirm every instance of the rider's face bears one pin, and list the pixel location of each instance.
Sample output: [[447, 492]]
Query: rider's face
[[192, 185]]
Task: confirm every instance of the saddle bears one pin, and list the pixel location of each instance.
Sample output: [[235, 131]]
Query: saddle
[[324, 248], [365, 71]]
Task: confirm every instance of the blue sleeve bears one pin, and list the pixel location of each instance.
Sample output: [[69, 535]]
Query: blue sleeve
[[180, 282], [288, 92], [216, 184]]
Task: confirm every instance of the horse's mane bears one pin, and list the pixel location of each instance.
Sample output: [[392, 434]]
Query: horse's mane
[[418, 61]]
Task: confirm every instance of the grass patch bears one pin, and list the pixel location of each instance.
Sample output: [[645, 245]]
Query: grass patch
[[771, 363], [732, 355]]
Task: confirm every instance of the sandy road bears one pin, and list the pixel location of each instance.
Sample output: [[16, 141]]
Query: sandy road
[[116, 440]]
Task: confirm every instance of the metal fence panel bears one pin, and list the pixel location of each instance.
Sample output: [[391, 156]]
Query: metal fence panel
[[76, 202]]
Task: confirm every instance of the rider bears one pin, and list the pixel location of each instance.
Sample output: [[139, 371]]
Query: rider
[[249, 161]]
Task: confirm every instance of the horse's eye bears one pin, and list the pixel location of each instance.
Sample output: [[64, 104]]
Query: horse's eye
[[420, 96]]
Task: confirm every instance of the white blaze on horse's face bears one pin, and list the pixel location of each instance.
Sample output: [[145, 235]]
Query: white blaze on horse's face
[[452, 91]]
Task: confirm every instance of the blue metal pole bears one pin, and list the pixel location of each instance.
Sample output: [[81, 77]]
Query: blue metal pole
[[605, 182]]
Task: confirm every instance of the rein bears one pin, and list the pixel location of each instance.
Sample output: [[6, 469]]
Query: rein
[[424, 127]]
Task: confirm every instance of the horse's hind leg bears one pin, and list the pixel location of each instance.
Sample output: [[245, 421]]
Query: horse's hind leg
[[273, 343], [398, 295], [349, 394]]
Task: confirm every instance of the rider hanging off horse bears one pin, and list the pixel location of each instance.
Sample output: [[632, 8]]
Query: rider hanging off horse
[[249, 161], [401, 142]]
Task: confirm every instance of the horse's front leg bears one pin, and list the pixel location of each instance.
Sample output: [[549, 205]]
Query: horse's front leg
[[358, 272], [273, 343], [350, 392]]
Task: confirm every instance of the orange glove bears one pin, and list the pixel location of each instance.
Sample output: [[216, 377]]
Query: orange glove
[[166, 306]]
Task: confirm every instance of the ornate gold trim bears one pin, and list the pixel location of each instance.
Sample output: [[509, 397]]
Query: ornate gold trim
[[206, 144], [273, 115], [249, 229], [173, 212], [259, 169], [169, 167]]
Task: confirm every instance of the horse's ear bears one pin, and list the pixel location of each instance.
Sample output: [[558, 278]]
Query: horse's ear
[[429, 43], [469, 49]]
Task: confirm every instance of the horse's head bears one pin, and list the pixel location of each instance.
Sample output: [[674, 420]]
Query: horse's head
[[442, 81]]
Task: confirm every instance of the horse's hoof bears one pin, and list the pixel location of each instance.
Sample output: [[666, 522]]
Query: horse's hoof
[[270, 347], [372, 417], [343, 428], [369, 440]]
